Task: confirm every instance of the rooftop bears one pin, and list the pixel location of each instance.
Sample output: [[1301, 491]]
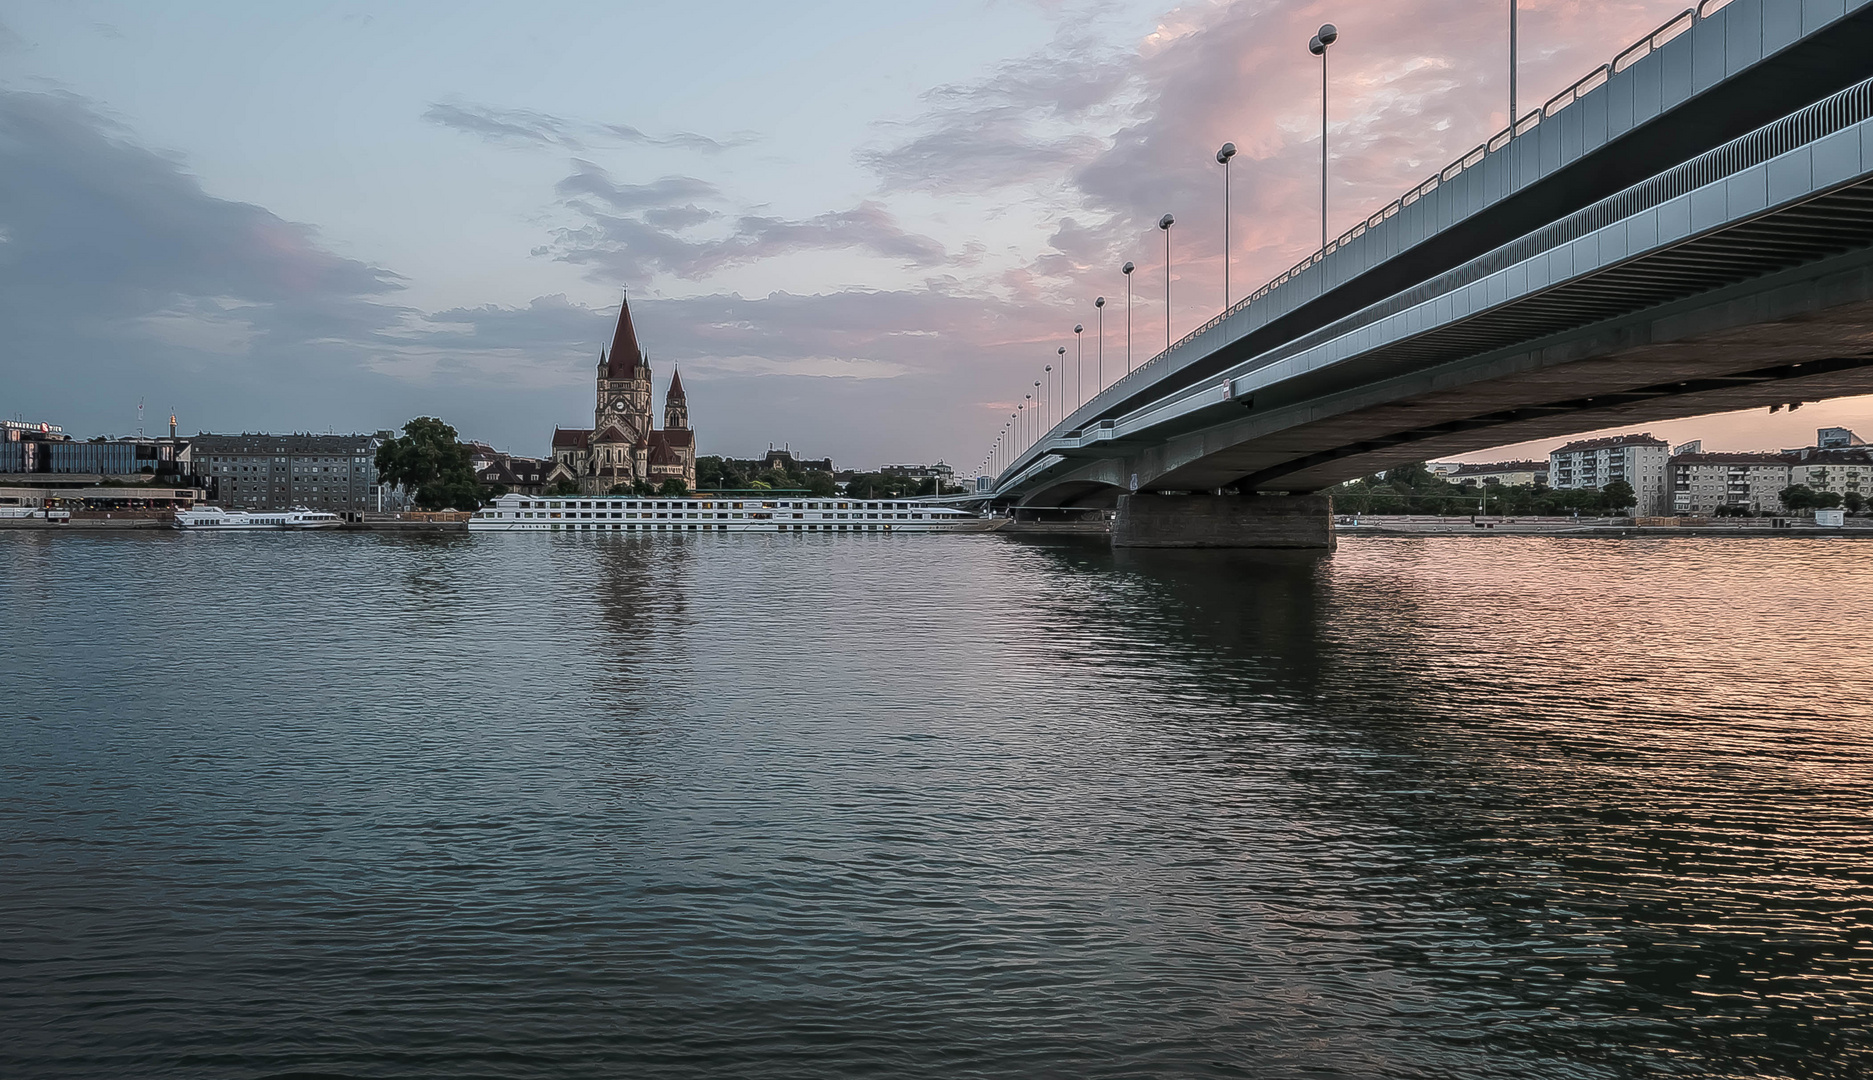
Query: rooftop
[[1611, 442]]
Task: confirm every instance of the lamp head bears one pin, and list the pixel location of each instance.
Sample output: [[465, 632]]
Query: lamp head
[[1228, 151], [1127, 269], [1328, 34], [1078, 329], [1099, 302], [1314, 46], [1166, 222]]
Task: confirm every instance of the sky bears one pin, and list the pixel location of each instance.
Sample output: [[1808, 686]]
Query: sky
[[859, 229]]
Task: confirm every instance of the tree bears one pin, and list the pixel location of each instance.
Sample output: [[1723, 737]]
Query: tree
[[1618, 496], [563, 486], [431, 462], [1798, 497], [819, 483], [673, 487], [1826, 500], [1854, 502]]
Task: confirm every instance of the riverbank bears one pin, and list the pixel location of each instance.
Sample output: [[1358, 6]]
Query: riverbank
[[1606, 527]]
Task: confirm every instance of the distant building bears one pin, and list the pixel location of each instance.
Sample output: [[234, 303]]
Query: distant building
[[44, 449], [1840, 470], [1639, 460], [784, 460], [1695, 446], [1504, 473], [920, 472], [1702, 484], [523, 475], [1835, 438], [278, 472]]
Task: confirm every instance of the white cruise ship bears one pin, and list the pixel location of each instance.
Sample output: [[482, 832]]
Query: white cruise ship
[[215, 519], [714, 513]]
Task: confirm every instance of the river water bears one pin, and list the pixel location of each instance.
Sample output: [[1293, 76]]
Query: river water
[[915, 806]]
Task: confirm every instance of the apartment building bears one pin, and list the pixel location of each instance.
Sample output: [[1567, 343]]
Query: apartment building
[[1702, 484], [1639, 460], [278, 472]]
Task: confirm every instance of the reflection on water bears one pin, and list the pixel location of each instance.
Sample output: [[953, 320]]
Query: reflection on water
[[934, 806]]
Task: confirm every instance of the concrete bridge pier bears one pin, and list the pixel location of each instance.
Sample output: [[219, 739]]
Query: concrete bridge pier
[[1224, 521]]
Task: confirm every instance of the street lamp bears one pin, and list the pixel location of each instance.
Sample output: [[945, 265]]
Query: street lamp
[[1165, 223], [1052, 398], [1100, 306], [1328, 35], [1127, 271], [1078, 356], [1039, 417], [1511, 69], [1222, 157]]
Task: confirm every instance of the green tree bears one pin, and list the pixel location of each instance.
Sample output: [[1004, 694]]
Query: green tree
[[431, 462], [1826, 500], [673, 487], [819, 483], [563, 486], [1618, 497], [1798, 497], [1854, 502]]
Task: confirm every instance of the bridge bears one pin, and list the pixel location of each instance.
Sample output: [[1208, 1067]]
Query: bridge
[[1688, 229]]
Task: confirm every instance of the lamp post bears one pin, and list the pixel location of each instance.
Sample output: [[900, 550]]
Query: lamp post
[[1165, 223], [1512, 69], [1052, 398], [1039, 427], [1127, 271], [1318, 46], [1222, 156], [1079, 357], [1099, 305]]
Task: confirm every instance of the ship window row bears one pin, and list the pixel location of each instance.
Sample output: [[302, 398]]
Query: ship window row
[[610, 504], [758, 515], [712, 526]]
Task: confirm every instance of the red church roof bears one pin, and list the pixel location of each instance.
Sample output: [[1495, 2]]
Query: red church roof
[[625, 355], [571, 439]]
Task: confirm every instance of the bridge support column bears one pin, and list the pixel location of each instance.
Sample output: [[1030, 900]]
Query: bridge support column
[[1224, 521]]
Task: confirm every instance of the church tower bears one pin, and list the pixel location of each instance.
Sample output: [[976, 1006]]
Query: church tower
[[676, 404], [623, 381]]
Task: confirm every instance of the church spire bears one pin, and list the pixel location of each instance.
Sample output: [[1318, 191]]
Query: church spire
[[625, 354], [676, 403]]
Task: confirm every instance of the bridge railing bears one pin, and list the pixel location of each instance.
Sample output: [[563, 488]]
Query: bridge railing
[[1587, 83]]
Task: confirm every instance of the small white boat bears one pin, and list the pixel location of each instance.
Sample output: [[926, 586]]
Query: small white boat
[[215, 519]]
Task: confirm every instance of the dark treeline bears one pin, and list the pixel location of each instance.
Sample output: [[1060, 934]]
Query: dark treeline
[[1414, 489]]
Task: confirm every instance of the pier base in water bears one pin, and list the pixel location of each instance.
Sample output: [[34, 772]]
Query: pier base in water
[[1224, 521]]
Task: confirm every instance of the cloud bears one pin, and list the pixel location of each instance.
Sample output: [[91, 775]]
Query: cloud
[[591, 180], [682, 140], [1025, 122], [527, 127], [121, 278], [505, 126], [632, 232]]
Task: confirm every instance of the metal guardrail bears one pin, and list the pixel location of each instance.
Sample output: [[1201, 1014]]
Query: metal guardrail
[[1587, 83]]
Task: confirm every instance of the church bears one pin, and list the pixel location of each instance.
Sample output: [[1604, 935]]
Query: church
[[621, 446]]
